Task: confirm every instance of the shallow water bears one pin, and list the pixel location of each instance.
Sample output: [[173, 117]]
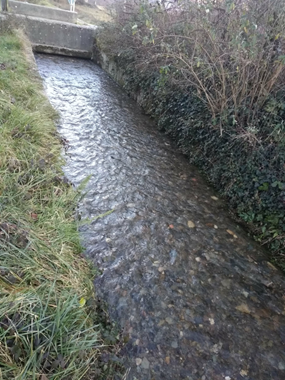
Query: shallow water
[[190, 289]]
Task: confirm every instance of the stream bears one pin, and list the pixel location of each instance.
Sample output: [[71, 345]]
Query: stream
[[195, 295]]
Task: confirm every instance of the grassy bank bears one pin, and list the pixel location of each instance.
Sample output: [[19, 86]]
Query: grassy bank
[[86, 13], [213, 78], [51, 326]]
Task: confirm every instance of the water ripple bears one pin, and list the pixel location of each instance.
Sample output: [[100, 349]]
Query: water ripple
[[193, 293]]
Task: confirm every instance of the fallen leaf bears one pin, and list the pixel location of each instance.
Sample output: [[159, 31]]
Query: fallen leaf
[[190, 224], [167, 360], [232, 233], [34, 216], [82, 302], [262, 313], [43, 377], [271, 265], [243, 308], [243, 373], [138, 361]]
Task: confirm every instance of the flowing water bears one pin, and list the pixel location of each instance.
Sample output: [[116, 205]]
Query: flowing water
[[194, 294]]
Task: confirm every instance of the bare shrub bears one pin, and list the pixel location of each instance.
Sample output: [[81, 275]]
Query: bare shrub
[[230, 51]]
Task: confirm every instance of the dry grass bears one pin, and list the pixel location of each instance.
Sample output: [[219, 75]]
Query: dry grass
[[86, 14]]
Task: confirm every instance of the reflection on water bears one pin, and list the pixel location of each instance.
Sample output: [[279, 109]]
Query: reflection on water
[[196, 297]]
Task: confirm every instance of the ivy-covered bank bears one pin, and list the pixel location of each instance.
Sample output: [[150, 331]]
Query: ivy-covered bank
[[248, 169], [51, 324]]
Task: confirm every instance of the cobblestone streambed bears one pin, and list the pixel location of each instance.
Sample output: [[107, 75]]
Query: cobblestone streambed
[[196, 297]]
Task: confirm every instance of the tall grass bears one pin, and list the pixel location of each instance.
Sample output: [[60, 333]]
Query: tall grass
[[48, 330]]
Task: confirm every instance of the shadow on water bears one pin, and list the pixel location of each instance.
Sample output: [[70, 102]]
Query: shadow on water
[[196, 297]]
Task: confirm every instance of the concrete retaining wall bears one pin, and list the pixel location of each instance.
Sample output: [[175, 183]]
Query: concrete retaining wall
[[59, 37], [108, 65], [60, 34], [54, 37], [41, 11]]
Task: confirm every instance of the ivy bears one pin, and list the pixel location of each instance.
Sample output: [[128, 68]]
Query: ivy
[[250, 177]]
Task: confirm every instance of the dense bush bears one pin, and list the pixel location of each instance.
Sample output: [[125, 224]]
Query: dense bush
[[222, 101]]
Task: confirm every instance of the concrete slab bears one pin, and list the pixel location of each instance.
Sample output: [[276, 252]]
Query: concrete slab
[[61, 51]]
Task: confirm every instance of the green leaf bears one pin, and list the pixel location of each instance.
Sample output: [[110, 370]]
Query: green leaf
[[279, 184], [264, 186]]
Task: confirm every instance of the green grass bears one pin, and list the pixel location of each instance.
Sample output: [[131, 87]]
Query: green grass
[[50, 324]]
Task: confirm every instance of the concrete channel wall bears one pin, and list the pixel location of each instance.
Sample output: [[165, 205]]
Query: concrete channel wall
[[59, 37], [34, 10]]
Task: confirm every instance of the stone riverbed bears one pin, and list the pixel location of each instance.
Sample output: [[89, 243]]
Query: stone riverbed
[[194, 294]]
